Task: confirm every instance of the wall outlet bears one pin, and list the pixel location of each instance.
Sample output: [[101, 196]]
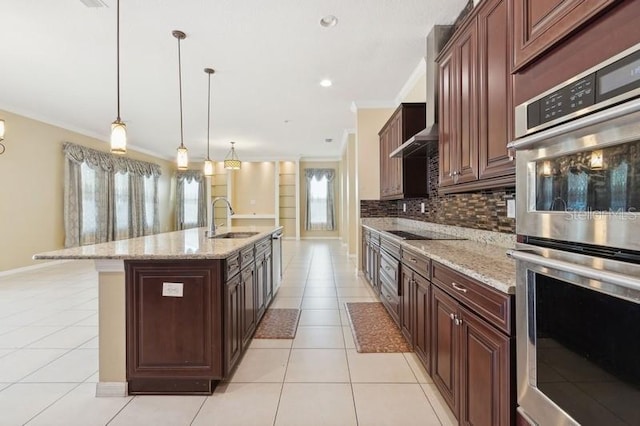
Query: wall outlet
[[172, 289], [511, 208], [404, 207], [422, 208]]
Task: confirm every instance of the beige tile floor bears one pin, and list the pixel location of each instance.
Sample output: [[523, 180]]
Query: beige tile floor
[[48, 358]]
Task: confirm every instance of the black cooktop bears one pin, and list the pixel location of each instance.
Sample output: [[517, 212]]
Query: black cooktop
[[423, 235]]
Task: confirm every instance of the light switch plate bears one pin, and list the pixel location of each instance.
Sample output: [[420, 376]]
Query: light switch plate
[[511, 208], [172, 289]]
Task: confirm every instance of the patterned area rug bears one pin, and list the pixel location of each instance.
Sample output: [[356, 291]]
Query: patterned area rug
[[374, 330], [278, 324]]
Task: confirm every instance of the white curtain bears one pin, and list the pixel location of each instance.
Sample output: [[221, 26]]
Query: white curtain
[[320, 200], [191, 208], [101, 201]]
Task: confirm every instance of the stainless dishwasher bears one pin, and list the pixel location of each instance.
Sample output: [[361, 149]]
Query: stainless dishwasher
[[276, 255]]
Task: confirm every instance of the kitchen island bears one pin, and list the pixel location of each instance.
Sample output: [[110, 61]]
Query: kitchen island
[[177, 309]]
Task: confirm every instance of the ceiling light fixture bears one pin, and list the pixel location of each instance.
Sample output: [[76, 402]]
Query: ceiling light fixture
[[326, 83], [118, 128], [183, 156], [208, 164], [329, 21], [2, 148], [231, 161]]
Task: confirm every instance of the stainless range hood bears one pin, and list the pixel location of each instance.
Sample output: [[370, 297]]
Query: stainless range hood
[[425, 141]]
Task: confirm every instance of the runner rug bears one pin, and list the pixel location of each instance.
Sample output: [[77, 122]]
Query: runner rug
[[278, 324], [374, 330]]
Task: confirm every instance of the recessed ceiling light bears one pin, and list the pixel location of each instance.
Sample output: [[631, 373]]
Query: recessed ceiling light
[[326, 83], [329, 21]]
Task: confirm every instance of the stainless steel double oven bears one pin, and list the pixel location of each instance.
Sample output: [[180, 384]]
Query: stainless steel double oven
[[578, 251]]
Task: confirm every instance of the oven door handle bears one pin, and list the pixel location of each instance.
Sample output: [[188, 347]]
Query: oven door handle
[[596, 274]]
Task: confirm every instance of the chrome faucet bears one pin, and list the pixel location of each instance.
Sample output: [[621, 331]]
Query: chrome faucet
[[212, 225]]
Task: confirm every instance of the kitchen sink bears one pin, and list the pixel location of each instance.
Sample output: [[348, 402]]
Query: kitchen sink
[[424, 235], [236, 235]]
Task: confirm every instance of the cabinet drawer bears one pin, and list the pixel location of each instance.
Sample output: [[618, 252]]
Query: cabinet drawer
[[390, 299], [392, 247], [246, 256], [263, 245], [419, 263], [389, 267], [494, 306], [232, 266]]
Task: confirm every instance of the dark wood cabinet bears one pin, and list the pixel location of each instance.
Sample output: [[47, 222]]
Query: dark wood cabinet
[[263, 277], [402, 177], [475, 102], [407, 303], [485, 372], [248, 285], [371, 258], [422, 330], [234, 316], [539, 25], [174, 326], [473, 348], [445, 369]]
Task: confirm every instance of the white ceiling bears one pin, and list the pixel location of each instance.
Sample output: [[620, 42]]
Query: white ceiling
[[59, 66]]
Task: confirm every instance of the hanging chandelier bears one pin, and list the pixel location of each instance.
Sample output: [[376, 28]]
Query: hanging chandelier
[[183, 156], [118, 128], [208, 164], [231, 161]]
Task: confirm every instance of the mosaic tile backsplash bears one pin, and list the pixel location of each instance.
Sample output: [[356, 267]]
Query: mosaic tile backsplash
[[486, 210]]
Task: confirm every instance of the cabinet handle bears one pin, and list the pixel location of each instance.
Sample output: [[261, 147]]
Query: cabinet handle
[[413, 260], [387, 268], [459, 287], [450, 174], [512, 154], [458, 321], [452, 316]]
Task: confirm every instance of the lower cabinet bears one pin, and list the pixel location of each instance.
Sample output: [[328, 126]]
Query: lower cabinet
[[174, 326], [234, 315], [248, 284], [422, 329], [473, 363], [407, 303]]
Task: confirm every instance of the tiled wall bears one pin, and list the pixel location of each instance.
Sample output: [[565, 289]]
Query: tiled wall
[[485, 210]]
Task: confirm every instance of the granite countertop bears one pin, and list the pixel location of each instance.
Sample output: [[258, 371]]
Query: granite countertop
[[187, 244], [484, 261]]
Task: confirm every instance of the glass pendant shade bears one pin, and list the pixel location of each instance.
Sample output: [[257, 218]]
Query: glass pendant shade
[[118, 137], [231, 162], [208, 168], [183, 158], [1, 130]]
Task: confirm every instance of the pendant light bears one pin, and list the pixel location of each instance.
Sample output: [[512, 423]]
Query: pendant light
[[118, 128], [183, 157], [208, 164], [231, 161]]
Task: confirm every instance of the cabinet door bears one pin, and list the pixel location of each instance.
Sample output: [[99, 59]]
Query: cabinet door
[[407, 303], [396, 163], [260, 287], [234, 318], [467, 116], [248, 283], [447, 107], [384, 162], [486, 373], [495, 90], [422, 330], [540, 24], [445, 370], [268, 278], [173, 335]]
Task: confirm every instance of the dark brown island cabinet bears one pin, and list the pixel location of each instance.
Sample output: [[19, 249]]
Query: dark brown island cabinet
[[188, 322], [402, 177], [461, 330]]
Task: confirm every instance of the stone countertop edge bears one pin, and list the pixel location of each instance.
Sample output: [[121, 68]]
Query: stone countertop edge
[[486, 263], [186, 244]]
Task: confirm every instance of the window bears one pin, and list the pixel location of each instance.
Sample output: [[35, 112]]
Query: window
[[107, 197], [320, 200], [191, 209], [190, 202]]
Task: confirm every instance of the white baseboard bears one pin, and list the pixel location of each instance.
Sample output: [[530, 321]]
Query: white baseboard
[[111, 389], [33, 267]]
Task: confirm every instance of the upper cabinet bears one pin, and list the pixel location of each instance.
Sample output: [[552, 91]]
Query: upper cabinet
[[540, 24], [402, 177], [475, 106]]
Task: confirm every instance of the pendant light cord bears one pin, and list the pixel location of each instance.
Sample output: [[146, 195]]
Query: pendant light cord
[[180, 82], [118, 55], [208, 115]]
